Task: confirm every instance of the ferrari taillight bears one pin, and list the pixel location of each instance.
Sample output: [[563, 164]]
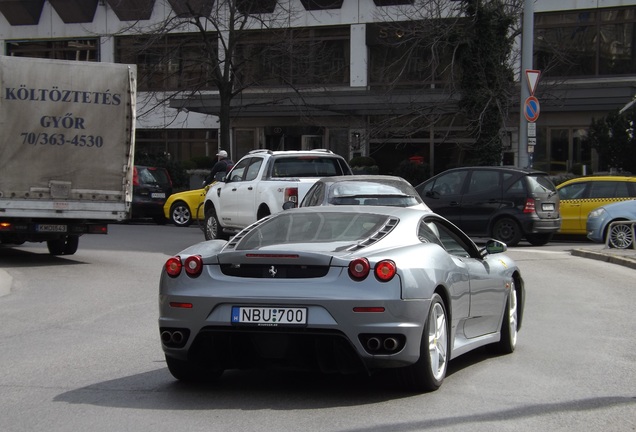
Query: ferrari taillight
[[193, 265], [385, 270], [359, 268], [173, 266]]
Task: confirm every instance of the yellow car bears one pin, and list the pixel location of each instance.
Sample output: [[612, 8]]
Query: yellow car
[[180, 207], [581, 195]]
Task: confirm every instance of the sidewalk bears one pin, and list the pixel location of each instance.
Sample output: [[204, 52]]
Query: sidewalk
[[5, 283], [624, 257]]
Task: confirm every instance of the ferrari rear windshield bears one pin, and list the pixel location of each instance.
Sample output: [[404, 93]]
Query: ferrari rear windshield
[[304, 227]]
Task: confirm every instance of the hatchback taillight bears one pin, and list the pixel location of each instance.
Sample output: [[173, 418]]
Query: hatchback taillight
[[529, 207]]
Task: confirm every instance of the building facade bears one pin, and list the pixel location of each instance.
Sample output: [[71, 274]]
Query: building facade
[[320, 74]]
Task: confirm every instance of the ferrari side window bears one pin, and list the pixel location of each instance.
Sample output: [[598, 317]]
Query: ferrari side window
[[450, 241], [427, 233]]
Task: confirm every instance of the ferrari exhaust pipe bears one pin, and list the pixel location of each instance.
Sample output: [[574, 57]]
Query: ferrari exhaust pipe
[[374, 344], [166, 337], [390, 344], [177, 337]]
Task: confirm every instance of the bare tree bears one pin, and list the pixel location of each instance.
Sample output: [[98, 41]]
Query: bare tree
[[463, 51], [203, 47]]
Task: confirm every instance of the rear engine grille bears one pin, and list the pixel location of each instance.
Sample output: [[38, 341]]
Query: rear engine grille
[[270, 271], [244, 348]]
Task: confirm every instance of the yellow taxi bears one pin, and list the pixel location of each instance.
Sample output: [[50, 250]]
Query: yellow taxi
[[183, 208], [581, 195]]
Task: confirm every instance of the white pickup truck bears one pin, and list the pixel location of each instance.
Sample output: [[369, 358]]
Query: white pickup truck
[[261, 182]]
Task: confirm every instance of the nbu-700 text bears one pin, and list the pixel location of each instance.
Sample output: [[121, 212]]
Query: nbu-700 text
[[44, 138]]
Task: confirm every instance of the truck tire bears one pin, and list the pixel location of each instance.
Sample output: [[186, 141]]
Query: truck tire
[[63, 246]]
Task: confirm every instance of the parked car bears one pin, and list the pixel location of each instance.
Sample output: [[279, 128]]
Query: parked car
[[339, 289], [183, 208], [581, 195], [151, 187], [505, 203], [362, 190], [600, 229]]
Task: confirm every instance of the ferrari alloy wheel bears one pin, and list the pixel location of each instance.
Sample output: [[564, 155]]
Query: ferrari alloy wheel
[[509, 325], [428, 373], [437, 341], [621, 236], [507, 230], [180, 214]]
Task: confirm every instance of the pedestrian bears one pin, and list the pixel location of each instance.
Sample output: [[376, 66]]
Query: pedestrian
[[223, 165]]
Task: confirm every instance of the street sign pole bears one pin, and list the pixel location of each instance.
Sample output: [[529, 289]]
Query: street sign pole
[[527, 35]]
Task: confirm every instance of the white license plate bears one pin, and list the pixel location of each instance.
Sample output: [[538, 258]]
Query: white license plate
[[547, 207], [157, 195], [50, 228], [270, 316]]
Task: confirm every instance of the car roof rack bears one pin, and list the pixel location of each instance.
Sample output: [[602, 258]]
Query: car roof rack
[[260, 151]]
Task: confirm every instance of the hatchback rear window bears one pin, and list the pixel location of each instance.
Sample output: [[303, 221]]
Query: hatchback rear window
[[540, 184], [152, 175]]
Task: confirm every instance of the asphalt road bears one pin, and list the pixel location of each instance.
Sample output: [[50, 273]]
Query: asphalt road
[[80, 351]]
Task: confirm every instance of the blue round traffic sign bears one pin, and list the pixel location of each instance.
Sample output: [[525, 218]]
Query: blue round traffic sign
[[531, 109]]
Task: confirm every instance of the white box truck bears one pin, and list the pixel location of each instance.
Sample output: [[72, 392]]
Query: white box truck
[[66, 149]]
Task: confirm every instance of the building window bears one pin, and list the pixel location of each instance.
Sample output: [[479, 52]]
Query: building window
[[560, 150], [294, 57], [58, 49], [401, 54], [168, 62], [598, 42], [180, 144]]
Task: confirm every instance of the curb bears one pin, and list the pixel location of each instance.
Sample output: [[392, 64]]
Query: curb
[[5, 283], [614, 259]]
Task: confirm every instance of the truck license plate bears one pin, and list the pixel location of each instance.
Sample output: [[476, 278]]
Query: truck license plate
[[269, 315], [50, 228]]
